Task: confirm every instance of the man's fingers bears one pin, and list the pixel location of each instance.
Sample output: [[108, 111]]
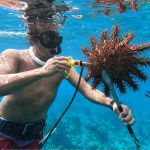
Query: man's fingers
[[63, 67], [131, 122], [125, 113], [64, 63], [127, 119], [61, 58]]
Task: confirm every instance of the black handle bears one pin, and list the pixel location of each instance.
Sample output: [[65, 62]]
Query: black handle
[[136, 141], [120, 108], [108, 81]]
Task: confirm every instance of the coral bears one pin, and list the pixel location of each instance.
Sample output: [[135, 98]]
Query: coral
[[118, 58]]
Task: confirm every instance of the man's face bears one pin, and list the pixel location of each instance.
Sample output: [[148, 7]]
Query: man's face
[[48, 37], [51, 40]]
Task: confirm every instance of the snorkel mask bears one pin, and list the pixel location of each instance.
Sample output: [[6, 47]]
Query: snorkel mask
[[50, 40]]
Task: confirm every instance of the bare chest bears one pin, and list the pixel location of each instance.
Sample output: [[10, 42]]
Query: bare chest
[[44, 88]]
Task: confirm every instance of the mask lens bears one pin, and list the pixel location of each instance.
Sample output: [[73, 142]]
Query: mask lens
[[50, 39]]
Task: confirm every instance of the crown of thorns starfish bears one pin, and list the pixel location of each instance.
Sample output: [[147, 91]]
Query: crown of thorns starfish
[[120, 59]]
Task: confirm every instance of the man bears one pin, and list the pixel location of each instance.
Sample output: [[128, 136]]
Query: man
[[29, 80]]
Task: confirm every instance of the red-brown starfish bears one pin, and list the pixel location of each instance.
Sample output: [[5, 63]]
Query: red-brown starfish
[[118, 58], [119, 4]]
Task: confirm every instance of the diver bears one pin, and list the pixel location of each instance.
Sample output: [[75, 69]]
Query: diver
[[29, 81]]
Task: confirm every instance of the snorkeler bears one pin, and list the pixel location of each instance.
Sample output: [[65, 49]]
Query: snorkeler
[[29, 81]]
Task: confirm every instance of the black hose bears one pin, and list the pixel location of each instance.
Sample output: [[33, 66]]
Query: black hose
[[44, 140]]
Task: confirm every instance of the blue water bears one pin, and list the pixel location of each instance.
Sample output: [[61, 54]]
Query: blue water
[[87, 125]]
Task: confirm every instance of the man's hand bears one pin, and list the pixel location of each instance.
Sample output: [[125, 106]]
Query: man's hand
[[56, 64], [125, 115]]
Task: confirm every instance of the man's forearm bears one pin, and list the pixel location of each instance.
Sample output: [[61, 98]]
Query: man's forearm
[[99, 98], [10, 83]]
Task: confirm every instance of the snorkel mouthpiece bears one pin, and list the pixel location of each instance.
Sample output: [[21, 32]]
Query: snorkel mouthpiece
[[56, 51]]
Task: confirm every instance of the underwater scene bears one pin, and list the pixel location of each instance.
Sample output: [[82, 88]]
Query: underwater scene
[[86, 125]]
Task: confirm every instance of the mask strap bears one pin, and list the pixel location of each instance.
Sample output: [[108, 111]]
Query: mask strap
[[35, 59]]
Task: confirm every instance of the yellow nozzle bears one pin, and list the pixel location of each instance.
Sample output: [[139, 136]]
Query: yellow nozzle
[[72, 62]]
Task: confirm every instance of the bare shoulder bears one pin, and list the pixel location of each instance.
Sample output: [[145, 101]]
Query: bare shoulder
[[9, 53], [12, 54], [9, 61]]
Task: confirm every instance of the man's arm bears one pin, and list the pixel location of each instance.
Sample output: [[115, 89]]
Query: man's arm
[[100, 98], [95, 96], [11, 81]]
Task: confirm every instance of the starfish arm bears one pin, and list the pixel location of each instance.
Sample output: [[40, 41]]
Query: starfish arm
[[88, 76], [104, 36], [93, 42], [143, 61], [86, 51], [132, 84], [115, 32], [121, 86], [138, 73], [141, 47], [95, 83], [125, 40]]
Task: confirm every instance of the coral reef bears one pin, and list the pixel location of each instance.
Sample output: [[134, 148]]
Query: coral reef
[[79, 131], [118, 58]]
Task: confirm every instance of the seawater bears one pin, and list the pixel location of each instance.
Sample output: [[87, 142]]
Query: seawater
[[87, 125]]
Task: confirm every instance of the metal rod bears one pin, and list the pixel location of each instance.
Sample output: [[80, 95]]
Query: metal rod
[[108, 81]]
